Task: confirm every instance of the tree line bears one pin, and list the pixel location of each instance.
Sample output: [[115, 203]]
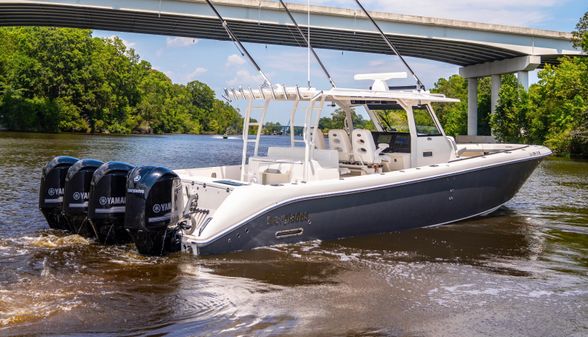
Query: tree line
[[553, 111], [61, 79]]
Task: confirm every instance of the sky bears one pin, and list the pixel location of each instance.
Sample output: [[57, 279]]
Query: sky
[[218, 63]]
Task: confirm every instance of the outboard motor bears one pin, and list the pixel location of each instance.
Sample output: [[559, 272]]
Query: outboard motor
[[149, 209], [106, 207], [52, 188], [77, 194]]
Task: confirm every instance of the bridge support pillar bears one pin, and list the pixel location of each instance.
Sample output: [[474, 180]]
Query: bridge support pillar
[[523, 78], [520, 65], [494, 90], [472, 106]]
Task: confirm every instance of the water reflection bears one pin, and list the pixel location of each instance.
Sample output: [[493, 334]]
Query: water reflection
[[288, 266], [521, 271]]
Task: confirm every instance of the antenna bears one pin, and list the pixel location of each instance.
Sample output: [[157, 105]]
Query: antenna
[[240, 46], [308, 44], [420, 84]]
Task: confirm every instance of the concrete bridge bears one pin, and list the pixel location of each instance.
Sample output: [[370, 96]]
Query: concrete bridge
[[480, 49]]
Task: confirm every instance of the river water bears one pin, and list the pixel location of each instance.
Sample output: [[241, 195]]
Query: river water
[[522, 271]]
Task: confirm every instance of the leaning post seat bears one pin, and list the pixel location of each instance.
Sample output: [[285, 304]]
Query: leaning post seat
[[318, 139], [286, 164]]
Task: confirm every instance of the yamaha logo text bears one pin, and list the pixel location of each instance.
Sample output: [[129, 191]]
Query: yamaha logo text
[[165, 207], [81, 195], [55, 191], [112, 201]]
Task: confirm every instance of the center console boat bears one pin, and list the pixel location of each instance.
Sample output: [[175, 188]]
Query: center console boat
[[405, 173]]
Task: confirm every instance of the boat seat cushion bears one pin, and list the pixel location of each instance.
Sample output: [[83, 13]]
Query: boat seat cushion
[[325, 158], [273, 176], [318, 139]]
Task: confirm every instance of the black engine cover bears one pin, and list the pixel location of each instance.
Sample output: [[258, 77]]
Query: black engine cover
[[106, 207], [149, 209], [77, 194], [52, 190]]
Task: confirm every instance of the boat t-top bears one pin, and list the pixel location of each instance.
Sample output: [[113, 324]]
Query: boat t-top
[[405, 173]]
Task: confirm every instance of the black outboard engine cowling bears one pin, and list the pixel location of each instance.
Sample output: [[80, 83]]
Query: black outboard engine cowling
[[52, 189], [77, 194], [149, 209], [106, 207]]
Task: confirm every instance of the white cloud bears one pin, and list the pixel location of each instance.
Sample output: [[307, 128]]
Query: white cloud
[[180, 41], [234, 60], [196, 74], [294, 60], [128, 44], [169, 73], [244, 78]]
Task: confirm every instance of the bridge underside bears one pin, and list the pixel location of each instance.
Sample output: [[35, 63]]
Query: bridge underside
[[455, 52]]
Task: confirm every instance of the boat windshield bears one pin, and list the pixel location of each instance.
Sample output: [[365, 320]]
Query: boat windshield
[[393, 117], [424, 123]]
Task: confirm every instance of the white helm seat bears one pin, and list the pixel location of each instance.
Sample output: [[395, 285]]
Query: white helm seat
[[339, 140], [364, 147]]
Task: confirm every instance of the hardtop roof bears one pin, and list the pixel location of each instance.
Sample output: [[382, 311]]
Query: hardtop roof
[[293, 93]]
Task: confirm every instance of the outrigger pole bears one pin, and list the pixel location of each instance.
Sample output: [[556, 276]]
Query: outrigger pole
[[420, 84], [309, 45], [240, 46]]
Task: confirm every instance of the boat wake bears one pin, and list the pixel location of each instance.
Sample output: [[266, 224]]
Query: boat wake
[[54, 241], [227, 137]]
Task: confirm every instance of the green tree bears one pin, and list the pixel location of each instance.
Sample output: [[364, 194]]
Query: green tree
[[58, 79], [580, 35], [337, 121], [553, 112], [454, 116], [510, 122], [560, 104], [271, 128], [227, 118], [484, 105]]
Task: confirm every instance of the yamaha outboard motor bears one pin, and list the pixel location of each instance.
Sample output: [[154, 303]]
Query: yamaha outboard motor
[[149, 209], [52, 188], [106, 207], [77, 194]]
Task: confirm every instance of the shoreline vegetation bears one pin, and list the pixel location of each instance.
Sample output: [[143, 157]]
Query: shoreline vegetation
[[65, 80]]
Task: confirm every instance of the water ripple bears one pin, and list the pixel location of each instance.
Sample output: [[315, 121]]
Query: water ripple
[[520, 271]]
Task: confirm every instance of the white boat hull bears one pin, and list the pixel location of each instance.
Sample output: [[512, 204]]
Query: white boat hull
[[260, 215]]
